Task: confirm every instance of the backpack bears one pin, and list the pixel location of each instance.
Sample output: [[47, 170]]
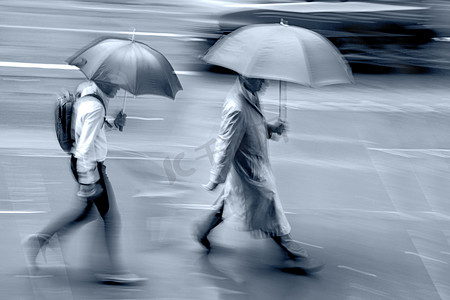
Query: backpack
[[63, 118]]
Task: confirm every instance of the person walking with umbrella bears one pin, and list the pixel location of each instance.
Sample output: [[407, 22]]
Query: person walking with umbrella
[[257, 53], [241, 163], [109, 64], [87, 163]]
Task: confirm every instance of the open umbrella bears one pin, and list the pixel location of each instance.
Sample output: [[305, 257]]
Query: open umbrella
[[132, 65], [281, 52]]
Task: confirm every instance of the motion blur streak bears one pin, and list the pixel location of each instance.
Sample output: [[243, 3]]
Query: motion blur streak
[[364, 172]]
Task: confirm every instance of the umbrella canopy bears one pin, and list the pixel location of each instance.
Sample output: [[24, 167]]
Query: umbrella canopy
[[281, 52], [132, 65]]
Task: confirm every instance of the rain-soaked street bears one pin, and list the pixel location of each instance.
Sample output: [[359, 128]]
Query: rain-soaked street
[[363, 173]]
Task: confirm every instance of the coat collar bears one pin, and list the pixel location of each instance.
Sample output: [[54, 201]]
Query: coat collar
[[251, 98]]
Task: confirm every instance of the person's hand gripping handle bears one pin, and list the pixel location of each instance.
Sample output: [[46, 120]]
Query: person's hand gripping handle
[[120, 120], [280, 128]]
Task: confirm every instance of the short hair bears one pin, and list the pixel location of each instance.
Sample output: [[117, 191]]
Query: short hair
[[84, 85], [244, 79], [107, 88]]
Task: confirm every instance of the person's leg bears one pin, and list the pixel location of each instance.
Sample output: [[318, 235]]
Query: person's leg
[[107, 207], [291, 247], [73, 218], [209, 223], [69, 220]]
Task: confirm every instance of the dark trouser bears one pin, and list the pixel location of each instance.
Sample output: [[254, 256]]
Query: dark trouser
[[105, 204], [210, 222]]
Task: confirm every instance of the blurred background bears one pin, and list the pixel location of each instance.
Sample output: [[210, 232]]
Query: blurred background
[[363, 175]]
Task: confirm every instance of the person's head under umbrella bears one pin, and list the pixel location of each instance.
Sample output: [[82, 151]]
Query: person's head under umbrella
[[102, 89], [109, 89], [106, 91], [253, 85]]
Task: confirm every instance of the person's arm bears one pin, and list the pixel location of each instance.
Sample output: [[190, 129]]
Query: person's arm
[[279, 127], [114, 123], [230, 135], [85, 152]]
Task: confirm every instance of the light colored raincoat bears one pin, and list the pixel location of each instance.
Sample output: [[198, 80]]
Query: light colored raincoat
[[241, 162]]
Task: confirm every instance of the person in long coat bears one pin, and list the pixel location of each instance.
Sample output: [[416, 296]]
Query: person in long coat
[[241, 163]]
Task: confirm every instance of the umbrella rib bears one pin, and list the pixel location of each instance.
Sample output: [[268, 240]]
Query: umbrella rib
[[118, 49], [253, 57], [155, 59], [90, 45], [307, 64], [137, 68]]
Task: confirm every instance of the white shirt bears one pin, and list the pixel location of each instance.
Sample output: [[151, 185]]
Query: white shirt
[[90, 139]]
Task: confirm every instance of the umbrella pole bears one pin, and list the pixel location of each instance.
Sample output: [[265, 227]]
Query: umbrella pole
[[282, 96], [124, 102], [123, 107], [279, 100], [282, 110]]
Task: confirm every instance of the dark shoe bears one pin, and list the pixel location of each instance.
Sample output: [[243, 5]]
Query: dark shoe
[[303, 266], [32, 245], [203, 228], [202, 238], [295, 250], [291, 247], [123, 278], [205, 243]]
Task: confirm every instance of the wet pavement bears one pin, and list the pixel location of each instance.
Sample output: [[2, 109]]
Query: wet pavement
[[362, 176]]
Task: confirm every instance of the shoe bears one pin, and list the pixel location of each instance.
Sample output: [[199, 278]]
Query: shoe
[[202, 238], [32, 245], [203, 228], [205, 243], [295, 250], [302, 266], [291, 247], [123, 278]]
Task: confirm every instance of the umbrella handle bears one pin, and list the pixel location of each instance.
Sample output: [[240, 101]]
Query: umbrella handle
[[285, 137], [282, 110], [123, 107]]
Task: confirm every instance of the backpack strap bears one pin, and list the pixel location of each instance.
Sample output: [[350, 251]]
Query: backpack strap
[[104, 106], [98, 98]]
